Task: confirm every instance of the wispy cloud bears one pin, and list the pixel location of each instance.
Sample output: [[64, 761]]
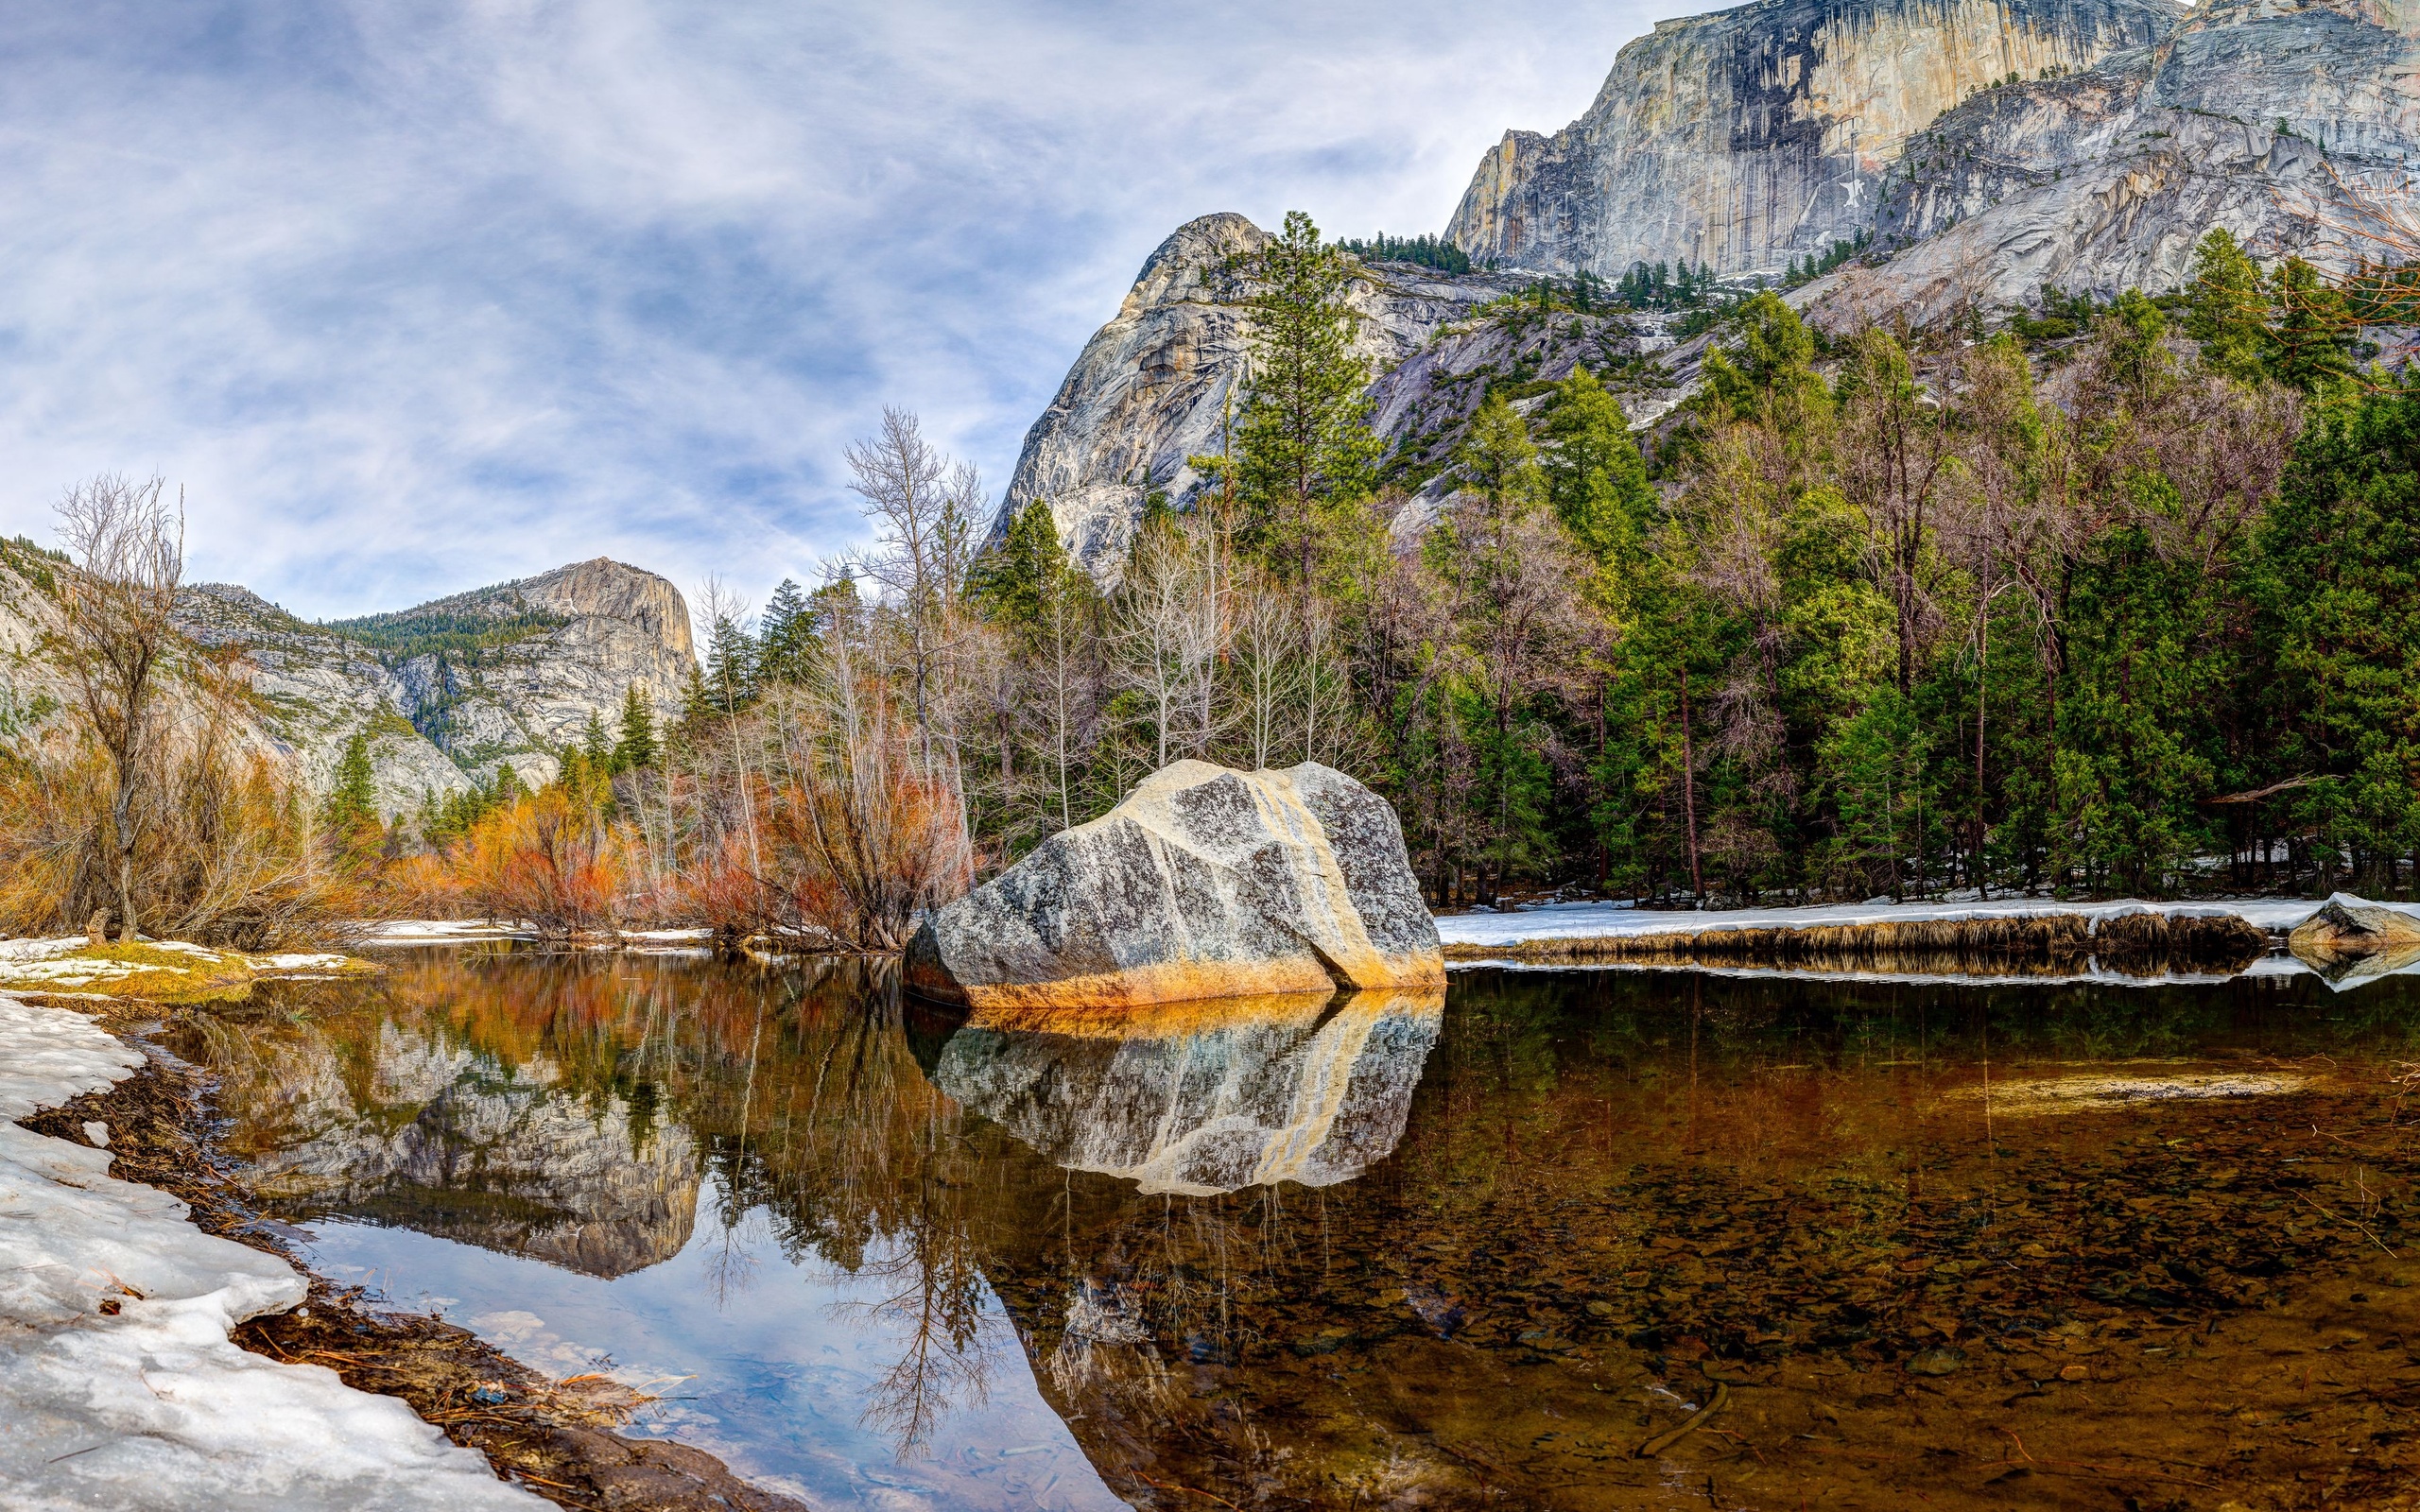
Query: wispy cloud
[[419, 294]]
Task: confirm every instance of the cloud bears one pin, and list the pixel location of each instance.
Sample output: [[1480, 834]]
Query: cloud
[[413, 296]]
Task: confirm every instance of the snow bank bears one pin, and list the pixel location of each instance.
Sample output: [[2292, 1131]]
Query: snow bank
[[438, 932], [1599, 920], [153, 1407]]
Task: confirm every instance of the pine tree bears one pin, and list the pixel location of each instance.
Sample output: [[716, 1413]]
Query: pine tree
[[730, 665], [636, 749], [2227, 310], [2310, 352], [1305, 455], [595, 744], [352, 802], [786, 633], [1011, 578]]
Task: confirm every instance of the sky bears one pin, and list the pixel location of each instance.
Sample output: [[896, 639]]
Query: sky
[[412, 296]]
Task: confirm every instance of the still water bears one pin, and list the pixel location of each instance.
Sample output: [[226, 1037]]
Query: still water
[[1939, 1244]]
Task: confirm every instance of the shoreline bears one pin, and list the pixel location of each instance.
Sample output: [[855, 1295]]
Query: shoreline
[[504, 1432], [2124, 939]]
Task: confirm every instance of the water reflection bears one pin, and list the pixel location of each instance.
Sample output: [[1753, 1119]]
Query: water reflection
[[1374, 1251], [1202, 1098]]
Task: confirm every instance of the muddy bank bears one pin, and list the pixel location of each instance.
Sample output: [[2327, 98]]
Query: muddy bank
[[2143, 944], [553, 1438]]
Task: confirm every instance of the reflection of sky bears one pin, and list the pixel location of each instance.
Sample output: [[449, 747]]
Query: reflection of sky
[[783, 1361]]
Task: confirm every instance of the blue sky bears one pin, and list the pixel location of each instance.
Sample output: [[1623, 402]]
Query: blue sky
[[416, 294]]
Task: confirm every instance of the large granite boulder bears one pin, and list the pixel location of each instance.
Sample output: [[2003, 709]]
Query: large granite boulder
[[1205, 882]]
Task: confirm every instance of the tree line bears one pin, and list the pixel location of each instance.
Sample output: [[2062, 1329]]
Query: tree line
[[2126, 605]]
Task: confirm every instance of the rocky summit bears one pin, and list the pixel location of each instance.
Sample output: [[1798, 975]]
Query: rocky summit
[[1205, 882]]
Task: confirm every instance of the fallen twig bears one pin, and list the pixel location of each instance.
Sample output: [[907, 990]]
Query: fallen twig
[[1663, 1441]]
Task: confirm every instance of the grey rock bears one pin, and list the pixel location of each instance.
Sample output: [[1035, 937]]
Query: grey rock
[[1754, 135], [2288, 125], [1937, 1362], [1205, 882], [1301, 1089], [1158, 383]]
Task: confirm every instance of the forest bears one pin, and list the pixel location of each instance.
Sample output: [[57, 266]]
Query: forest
[[2119, 601]]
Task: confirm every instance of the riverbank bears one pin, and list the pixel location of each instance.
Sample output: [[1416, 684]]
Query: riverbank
[[2030, 936], [129, 1261]]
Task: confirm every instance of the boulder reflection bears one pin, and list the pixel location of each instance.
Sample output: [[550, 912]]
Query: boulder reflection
[[1198, 1099]]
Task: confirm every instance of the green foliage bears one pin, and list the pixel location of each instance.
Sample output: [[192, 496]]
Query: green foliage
[[402, 636], [1428, 251], [353, 799], [785, 636], [1305, 452], [1816, 265], [2338, 585], [1014, 577], [2227, 309], [635, 747], [2311, 339]]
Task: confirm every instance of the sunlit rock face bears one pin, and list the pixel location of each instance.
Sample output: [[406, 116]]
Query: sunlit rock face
[[1205, 882], [1160, 382], [1206, 1098], [1757, 134], [434, 1137], [2287, 124], [564, 646]]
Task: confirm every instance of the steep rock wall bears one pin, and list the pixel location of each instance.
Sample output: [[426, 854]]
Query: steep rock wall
[[2291, 125], [1749, 137]]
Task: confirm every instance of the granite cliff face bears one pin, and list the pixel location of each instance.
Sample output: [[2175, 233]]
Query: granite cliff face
[[1754, 135], [1156, 384], [2289, 124], [459, 686]]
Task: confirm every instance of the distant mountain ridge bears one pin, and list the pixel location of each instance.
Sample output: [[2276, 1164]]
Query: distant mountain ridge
[[451, 690]]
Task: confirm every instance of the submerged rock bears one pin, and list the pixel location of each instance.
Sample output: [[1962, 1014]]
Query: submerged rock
[[1205, 883]]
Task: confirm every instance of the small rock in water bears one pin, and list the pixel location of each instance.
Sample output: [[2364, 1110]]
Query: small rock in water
[[1940, 1362], [98, 1133], [2076, 1372]]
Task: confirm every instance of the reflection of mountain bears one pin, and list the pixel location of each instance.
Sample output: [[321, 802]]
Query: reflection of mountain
[[441, 1139], [1204, 1097]]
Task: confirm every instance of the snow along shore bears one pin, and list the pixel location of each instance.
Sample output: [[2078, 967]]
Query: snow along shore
[[1614, 921], [153, 1407]]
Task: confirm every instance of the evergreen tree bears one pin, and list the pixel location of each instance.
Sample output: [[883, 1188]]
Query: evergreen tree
[[2310, 341], [595, 744], [636, 749], [2227, 309], [730, 665], [1594, 475], [1305, 455], [786, 633], [2338, 581], [352, 802], [1012, 579], [507, 788]]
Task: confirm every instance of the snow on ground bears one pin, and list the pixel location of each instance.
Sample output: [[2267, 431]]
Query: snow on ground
[[1602, 921], [438, 932], [153, 1407]]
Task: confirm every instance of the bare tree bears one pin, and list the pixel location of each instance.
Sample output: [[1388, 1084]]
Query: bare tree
[[1268, 636], [129, 547]]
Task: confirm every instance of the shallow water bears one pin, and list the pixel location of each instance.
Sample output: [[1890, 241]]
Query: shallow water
[[1948, 1245]]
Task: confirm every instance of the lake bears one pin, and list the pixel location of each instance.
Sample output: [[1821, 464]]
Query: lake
[[1941, 1243]]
